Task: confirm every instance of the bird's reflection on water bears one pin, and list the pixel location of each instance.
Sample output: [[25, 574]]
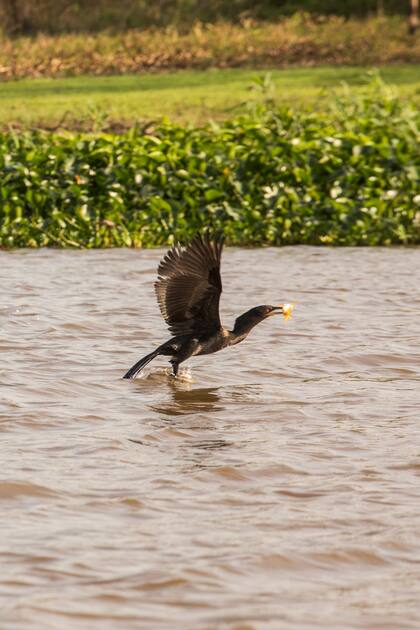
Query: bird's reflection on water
[[190, 401], [179, 397], [197, 411]]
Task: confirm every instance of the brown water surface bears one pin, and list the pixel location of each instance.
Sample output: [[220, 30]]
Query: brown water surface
[[273, 486]]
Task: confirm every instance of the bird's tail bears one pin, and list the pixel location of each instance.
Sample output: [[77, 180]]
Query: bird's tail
[[133, 371]]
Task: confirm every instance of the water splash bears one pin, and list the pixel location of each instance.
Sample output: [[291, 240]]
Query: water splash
[[185, 375], [163, 374]]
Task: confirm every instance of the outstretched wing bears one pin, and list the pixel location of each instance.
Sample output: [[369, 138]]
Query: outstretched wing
[[188, 287]]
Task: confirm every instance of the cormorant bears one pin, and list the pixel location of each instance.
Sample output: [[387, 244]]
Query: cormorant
[[188, 291]]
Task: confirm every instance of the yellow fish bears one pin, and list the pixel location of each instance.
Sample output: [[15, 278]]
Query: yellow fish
[[287, 310]]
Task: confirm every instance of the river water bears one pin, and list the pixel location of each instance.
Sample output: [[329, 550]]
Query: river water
[[272, 486]]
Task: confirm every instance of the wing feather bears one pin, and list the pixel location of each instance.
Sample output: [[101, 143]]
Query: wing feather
[[188, 287]]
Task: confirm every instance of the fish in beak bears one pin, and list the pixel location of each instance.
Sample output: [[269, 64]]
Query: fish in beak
[[287, 309]]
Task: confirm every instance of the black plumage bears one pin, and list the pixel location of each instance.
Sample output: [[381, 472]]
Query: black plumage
[[188, 291]]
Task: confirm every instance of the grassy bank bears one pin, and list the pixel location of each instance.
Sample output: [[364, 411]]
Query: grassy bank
[[117, 103], [274, 176], [299, 40]]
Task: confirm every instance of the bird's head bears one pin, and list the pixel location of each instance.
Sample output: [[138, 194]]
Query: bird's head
[[262, 312], [251, 318]]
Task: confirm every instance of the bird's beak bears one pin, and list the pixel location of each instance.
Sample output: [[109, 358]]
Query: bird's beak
[[277, 310]]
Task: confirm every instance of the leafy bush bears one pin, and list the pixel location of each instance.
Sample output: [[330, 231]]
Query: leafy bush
[[271, 176]]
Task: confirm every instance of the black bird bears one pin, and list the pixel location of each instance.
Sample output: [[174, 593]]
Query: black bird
[[188, 291]]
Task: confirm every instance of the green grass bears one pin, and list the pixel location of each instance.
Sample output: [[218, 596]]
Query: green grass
[[184, 96]]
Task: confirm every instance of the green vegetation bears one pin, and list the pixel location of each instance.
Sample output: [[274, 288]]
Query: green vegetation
[[270, 176], [116, 103], [298, 40]]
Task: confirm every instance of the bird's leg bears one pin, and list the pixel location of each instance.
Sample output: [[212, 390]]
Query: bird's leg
[[175, 366]]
